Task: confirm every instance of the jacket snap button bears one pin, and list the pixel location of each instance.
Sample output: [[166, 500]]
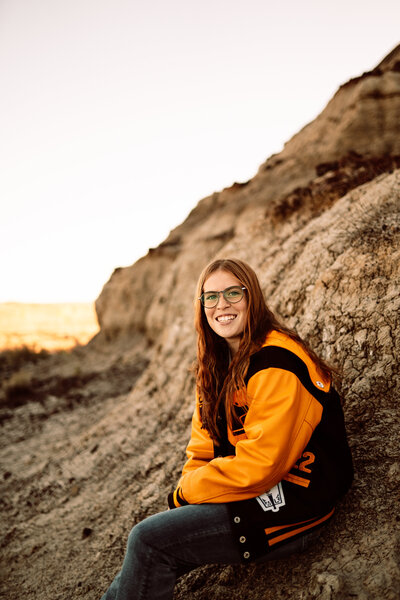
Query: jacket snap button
[[246, 554], [237, 519], [242, 539]]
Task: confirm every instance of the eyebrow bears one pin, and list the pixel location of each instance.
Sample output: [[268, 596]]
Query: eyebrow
[[227, 288]]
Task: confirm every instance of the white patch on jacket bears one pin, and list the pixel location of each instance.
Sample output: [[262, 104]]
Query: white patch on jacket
[[273, 499]]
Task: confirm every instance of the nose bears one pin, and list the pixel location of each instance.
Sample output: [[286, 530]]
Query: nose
[[222, 302]]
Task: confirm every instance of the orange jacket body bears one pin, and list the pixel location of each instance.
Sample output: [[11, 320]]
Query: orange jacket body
[[281, 416]]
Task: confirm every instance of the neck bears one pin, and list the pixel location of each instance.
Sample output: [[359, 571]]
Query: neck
[[233, 347]]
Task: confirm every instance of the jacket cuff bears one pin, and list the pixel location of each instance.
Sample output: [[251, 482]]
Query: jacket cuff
[[176, 499]]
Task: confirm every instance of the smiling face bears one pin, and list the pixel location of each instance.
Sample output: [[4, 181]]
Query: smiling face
[[225, 319]]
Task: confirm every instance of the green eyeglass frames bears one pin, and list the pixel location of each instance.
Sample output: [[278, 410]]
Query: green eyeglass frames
[[232, 294]]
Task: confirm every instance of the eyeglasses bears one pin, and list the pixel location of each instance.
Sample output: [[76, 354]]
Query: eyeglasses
[[232, 294]]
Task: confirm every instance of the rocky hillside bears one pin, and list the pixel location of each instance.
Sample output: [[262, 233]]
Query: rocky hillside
[[95, 440]]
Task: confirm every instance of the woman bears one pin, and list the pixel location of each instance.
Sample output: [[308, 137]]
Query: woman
[[268, 457]]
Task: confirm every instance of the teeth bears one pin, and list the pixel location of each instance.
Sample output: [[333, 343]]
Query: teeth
[[225, 318]]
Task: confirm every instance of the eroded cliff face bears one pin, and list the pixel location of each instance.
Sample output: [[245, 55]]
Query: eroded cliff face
[[359, 130], [320, 224]]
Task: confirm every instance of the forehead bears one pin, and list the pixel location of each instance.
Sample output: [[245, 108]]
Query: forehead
[[219, 280]]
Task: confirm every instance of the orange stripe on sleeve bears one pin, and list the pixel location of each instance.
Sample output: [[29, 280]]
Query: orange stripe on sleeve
[[176, 501]]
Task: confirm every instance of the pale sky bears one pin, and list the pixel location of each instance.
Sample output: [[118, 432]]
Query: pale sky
[[118, 116]]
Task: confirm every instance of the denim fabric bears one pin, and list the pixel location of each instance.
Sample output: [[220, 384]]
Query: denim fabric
[[171, 543]]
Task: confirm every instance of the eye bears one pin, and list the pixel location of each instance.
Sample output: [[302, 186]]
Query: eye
[[210, 296], [234, 293]]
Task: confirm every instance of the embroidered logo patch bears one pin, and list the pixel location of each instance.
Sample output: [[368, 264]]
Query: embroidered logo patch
[[273, 499]]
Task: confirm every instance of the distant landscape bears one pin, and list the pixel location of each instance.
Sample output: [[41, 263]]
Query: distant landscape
[[46, 326]]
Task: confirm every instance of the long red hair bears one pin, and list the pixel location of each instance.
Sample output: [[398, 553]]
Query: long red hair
[[216, 379]]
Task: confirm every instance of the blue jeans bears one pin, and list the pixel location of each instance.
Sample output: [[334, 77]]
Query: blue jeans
[[171, 543]]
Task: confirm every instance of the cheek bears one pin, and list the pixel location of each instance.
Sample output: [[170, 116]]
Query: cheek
[[210, 320], [243, 316]]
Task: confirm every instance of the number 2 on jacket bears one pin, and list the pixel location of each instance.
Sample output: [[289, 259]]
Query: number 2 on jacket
[[307, 458]]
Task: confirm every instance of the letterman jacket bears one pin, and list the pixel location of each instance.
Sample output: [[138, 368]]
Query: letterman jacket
[[284, 469]]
